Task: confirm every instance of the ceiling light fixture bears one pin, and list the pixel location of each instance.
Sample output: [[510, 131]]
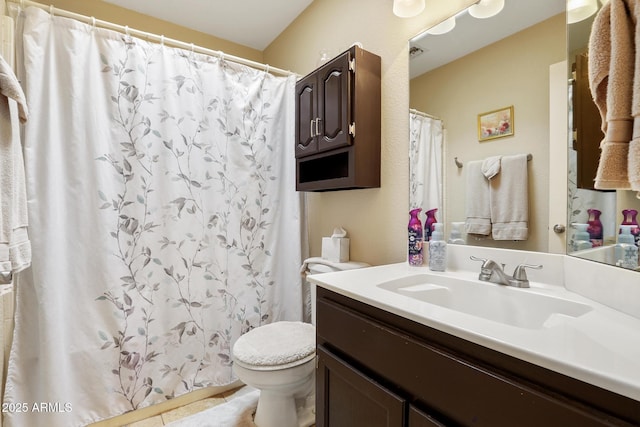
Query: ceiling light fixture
[[407, 8], [486, 8], [578, 10], [443, 27]]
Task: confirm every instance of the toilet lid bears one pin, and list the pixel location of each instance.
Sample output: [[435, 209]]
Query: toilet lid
[[276, 344]]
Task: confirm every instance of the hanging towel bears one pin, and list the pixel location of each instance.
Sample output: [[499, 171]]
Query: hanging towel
[[15, 248], [477, 200], [612, 61], [509, 199], [491, 166]]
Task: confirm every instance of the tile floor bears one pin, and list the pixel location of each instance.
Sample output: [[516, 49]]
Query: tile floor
[[183, 411]]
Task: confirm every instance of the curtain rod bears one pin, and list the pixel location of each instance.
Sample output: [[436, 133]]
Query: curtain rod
[[420, 113], [150, 36]]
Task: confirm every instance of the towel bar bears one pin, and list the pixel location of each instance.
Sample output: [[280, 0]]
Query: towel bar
[[459, 164]]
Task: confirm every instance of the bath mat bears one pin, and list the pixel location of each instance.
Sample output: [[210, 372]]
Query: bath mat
[[237, 412]]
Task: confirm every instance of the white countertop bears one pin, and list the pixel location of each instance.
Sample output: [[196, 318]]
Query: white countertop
[[601, 347]]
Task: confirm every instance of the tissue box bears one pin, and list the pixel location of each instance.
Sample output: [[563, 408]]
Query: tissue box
[[335, 249]]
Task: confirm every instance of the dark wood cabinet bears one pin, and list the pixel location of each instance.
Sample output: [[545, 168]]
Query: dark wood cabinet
[[353, 399], [440, 380], [338, 124], [587, 124]]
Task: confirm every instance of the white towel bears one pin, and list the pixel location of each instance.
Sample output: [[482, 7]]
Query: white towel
[[477, 200], [509, 199], [491, 166], [14, 241]]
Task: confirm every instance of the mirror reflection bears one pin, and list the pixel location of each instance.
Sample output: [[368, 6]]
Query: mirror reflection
[[464, 71], [486, 82], [596, 217]]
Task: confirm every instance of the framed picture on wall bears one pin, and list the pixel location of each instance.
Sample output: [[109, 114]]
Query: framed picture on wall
[[495, 124]]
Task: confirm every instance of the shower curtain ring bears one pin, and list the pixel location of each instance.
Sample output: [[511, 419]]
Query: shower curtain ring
[[51, 10], [93, 22], [267, 68], [162, 40], [126, 30]]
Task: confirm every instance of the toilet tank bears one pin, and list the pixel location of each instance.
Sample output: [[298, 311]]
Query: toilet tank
[[318, 266]]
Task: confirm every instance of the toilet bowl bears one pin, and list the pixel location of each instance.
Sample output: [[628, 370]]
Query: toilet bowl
[[279, 360]]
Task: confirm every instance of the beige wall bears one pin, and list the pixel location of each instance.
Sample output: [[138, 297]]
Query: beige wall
[[513, 71], [376, 219]]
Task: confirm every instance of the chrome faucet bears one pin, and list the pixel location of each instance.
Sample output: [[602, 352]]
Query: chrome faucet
[[491, 271]]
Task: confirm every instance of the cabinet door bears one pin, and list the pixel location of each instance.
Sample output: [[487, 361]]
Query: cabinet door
[[334, 103], [587, 125], [346, 397], [417, 418], [306, 114]]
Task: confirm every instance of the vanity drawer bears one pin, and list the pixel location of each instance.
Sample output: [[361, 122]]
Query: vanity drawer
[[442, 382]]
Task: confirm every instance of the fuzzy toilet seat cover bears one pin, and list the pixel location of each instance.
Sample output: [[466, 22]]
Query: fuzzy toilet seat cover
[[276, 344]]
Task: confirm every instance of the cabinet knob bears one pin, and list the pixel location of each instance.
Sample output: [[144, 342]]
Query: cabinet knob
[[559, 228]]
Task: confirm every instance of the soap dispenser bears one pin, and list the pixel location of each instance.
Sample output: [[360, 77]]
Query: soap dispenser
[[626, 251], [437, 249], [456, 234], [581, 239]]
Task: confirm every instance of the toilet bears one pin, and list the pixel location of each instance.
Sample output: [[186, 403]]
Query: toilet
[[279, 360]]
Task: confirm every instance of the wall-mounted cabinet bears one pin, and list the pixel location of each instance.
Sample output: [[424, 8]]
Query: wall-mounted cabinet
[[338, 124]]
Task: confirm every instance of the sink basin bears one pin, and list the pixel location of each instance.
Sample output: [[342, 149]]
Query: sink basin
[[510, 306]]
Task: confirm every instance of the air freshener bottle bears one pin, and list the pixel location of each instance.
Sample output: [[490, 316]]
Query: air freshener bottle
[[595, 227], [437, 249], [415, 237], [428, 223]]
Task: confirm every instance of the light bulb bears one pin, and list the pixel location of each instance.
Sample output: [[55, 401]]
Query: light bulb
[[486, 8], [407, 8], [578, 10], [443, 27]]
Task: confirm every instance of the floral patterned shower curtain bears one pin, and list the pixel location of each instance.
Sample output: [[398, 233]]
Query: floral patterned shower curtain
[[163, 217], [426, 136]]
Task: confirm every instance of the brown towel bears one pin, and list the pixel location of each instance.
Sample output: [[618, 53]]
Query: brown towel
[[612, 64]]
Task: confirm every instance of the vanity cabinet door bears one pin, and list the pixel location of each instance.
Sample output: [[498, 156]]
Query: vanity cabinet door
[[417, 418], [346, 397]]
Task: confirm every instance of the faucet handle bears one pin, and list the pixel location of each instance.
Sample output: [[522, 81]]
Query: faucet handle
[[520, 272], [475, 258]]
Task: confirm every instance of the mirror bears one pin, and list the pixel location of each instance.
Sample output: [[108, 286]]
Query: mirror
[[480, 66], [584, 203], [458, 76]]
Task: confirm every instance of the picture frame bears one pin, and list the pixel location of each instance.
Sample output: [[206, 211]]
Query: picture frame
[[496, 124]]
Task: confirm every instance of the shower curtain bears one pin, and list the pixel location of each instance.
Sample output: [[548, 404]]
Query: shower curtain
[[425, 162], [163, 217]]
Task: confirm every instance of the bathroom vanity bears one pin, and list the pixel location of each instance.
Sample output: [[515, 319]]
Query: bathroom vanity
[[387, 358]]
